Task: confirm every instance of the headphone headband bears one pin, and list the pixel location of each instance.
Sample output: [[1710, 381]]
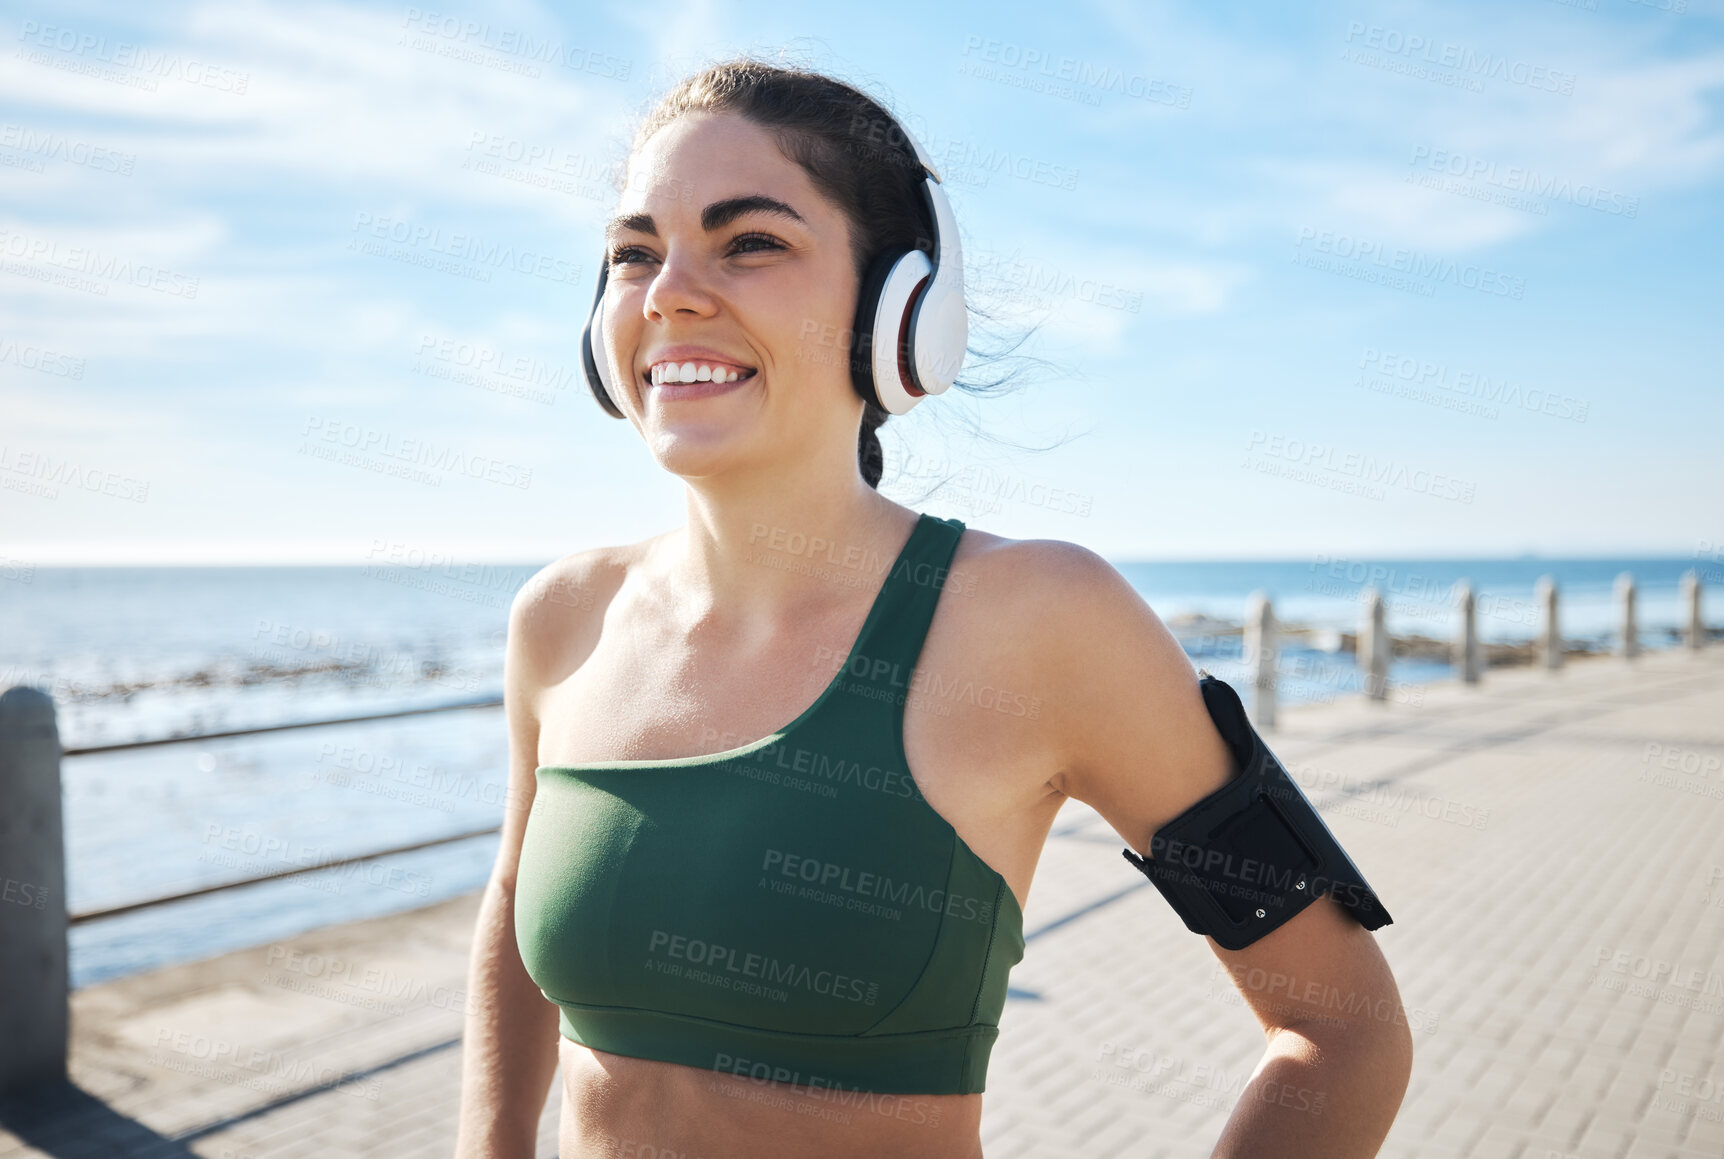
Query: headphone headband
[[921, 155]]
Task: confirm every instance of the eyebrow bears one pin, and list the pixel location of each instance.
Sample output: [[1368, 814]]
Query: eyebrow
[[715, 216]]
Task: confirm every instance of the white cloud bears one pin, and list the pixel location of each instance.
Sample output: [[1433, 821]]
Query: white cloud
[[333, 94], [1637, 123]]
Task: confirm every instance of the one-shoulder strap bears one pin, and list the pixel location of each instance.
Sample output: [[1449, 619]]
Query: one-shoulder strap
[[887, 650]]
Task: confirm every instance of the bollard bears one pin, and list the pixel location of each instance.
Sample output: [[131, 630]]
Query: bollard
[[1696, 627], [1373, 646], [1628, 632], [1261, 652], [34, 980], [1466, 646], [1550, 633]]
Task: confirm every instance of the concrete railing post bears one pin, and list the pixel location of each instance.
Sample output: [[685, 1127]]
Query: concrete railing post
[[1550, 632], [1373, 645], [1466, 646], [1261, 651], [1628, 630], [1695, 629], [33, 962]]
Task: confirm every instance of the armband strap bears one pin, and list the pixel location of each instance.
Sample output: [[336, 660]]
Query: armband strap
[[1250, 856]]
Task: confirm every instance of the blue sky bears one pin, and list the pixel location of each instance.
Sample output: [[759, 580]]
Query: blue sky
[[1389, 279]]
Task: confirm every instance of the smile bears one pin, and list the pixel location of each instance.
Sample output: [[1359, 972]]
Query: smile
[[662, 373]]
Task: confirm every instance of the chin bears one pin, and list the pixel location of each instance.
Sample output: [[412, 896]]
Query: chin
[[693, 449]]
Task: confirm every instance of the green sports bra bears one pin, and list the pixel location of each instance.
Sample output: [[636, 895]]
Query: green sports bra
[[792, 909]]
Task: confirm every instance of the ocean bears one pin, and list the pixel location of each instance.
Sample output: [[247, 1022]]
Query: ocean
[[142, 653]]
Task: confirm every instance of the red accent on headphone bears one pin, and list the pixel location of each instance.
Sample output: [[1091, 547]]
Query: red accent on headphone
[[904, 374]]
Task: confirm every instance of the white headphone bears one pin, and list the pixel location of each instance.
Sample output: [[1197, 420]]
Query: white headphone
[[911, 328]]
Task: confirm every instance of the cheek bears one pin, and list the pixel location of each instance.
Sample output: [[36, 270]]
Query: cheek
[[622, 328], [808, 327], [623, 309]]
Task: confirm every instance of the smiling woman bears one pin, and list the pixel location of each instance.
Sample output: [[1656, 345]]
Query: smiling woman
[[741, 937]]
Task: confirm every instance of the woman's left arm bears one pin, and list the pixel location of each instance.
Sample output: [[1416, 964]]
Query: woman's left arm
[[1339, 1052], [1137, 744]]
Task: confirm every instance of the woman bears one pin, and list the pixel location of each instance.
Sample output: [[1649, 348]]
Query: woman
[[771, 940]]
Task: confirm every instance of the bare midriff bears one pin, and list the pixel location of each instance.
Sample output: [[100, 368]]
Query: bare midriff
[[615, 1106]]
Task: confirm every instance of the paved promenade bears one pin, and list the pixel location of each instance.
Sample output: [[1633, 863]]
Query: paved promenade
[[1551, 845]]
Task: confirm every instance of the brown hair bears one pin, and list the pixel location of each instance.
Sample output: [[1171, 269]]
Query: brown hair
[[852, 149]]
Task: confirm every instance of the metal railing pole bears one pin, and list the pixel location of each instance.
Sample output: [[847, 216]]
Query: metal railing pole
[[1695, 630], [1466, 646], [1628, 627], [1373, 645], [34, 964], [1550, 632], [1260, 653]]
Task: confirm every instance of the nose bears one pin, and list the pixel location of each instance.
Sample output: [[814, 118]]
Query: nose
[[677, 289]]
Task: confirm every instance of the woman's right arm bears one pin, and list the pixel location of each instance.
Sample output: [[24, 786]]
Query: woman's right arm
[[509, 1045]]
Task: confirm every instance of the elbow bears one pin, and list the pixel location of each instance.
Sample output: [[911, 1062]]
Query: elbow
[[1375, 1052]]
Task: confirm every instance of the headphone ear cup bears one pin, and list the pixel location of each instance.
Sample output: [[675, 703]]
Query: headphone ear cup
[[862, 330], [593, 361], [880, 363]]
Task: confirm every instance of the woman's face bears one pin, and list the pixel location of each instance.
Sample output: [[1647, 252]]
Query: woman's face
[[723, 254]]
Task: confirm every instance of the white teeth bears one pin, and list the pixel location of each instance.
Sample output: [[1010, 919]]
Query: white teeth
[[666, 372]]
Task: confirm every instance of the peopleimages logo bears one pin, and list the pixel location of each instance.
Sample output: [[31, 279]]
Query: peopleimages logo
[[57, 147], [1363, 251], [1460, 58], [485, 255], [960, 155], [706, 961], [93, 51], [1473, 384], [1361, 466], [98, 264], [832, 876], [1089, 74], [1521, 179], [363, 445], [460, 32]]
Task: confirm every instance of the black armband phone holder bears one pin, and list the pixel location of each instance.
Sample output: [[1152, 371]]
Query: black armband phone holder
[[1250, 856]]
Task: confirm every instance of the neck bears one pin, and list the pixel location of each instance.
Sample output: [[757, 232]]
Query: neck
[[770, 549]]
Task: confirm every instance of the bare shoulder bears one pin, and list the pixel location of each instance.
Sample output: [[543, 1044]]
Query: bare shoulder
[[556, 616], [1037, 590], [1010, 593], [1055, 585], [1123, 710], [1011, 574]]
